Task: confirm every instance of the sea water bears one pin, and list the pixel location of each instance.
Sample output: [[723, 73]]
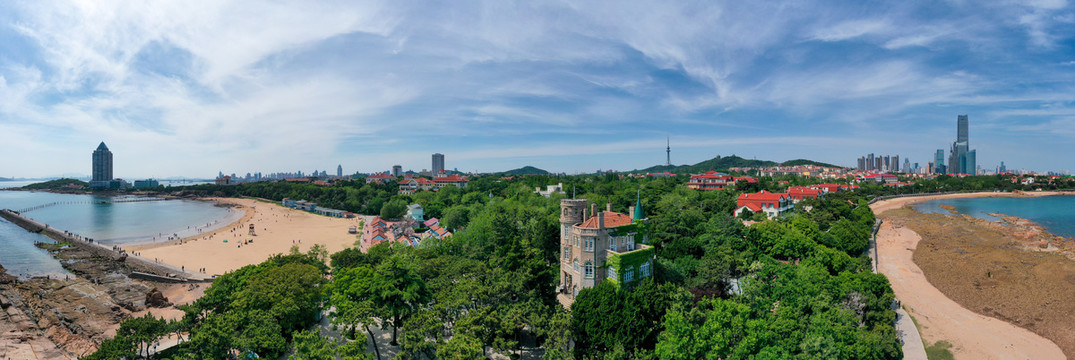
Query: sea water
[[107, 223], [1055, 213]]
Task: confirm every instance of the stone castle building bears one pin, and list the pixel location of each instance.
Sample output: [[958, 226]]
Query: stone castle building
[[596, 247]]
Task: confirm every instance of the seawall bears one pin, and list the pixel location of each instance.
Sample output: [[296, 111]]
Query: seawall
[[160, 270]]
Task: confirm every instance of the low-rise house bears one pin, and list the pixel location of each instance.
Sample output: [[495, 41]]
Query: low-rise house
[[379, 231], [439, 232], [411, 185], [382, 177], [710, 181], [550, 189], [772, 204], [429, 223], [416, 213], [798, 193]]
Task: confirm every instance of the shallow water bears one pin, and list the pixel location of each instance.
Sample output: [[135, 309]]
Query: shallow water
[[115, 223], [1055, 213]]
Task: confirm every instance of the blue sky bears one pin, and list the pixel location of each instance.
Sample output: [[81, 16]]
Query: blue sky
[[189, 88]]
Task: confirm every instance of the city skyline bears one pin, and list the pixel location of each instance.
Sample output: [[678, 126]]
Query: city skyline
[[180, 89]]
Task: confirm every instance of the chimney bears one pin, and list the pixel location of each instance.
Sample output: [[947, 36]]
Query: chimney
[[593, 209], [608, 206], [631, 209], [601, 220]]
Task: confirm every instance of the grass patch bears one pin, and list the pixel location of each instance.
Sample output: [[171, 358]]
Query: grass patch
[[53, 246], [939, 351]]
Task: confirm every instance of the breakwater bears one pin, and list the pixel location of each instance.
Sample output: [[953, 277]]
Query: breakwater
[[109, 252]]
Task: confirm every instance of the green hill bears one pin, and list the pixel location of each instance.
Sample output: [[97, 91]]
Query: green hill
[[526, 170], [54, 184], [719, 163], [797, 162], [723, 163]]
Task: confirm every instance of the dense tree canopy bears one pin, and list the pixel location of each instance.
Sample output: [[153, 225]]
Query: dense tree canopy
[[796, 286]]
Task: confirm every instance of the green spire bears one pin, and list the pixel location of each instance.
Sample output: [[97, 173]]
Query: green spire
[[638, 207]]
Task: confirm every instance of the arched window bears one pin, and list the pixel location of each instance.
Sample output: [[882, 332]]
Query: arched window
[[589, 244], [628, 274], [576, 265], [612, 274], [644, 269], [588, 270]]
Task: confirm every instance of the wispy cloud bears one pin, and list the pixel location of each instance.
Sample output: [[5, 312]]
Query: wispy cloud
[[189, 88]]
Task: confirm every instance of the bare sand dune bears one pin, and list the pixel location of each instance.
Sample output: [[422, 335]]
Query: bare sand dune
[[972, 335], [277, 229]]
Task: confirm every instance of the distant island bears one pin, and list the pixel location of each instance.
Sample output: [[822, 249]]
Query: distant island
[[525, 170], [56, 184]]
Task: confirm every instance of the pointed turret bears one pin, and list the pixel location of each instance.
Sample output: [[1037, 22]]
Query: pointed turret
[[639, 215]]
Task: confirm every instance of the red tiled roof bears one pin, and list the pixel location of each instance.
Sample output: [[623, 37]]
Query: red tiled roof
[[753, 207], [612, 219], [762, 196], [450, 178], [747, 179], [380, 176]]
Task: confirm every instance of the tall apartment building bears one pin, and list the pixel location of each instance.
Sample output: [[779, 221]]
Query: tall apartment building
[[339, 170], [438, 163], [102, 167], [397, 170]]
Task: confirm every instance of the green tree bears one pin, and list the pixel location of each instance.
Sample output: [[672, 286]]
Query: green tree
[[352, 294], [143, 331], [399, 290], [461, 347], [393, 209]]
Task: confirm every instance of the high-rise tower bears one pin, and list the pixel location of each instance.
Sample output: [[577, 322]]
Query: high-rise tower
[[102, 166], [438, 163], [958, 160], [668, 152], [339, 170]]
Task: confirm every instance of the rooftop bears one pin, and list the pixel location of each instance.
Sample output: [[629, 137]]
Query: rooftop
[[612, 219]]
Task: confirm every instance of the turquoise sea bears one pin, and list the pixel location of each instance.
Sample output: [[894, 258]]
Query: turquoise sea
[[118, 223], [1055, 213]]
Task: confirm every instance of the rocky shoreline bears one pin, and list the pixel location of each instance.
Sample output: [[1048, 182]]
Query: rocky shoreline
[[47, 318], [1010, 269]]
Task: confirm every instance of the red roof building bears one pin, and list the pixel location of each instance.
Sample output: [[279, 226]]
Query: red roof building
[[798, 193], [456, 180], [382, 177], [772, 204], [710, 181], [611, 219]]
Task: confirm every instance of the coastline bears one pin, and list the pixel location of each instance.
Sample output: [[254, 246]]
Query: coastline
[[277, 230], [939, 317], [236, 214]]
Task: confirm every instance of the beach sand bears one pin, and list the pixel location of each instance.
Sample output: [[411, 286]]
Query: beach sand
[[277, 229], [939, 318]]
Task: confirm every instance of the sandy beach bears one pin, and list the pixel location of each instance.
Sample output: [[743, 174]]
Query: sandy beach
[[277, 229], [939, 318]]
